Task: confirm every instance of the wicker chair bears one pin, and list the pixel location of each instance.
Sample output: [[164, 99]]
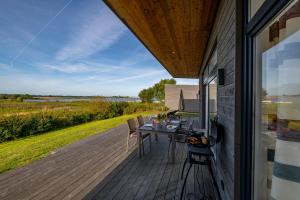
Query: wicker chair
[[182, 134], [141, 122], [132, 132]]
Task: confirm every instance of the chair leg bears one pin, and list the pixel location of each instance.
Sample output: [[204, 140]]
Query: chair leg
[[127, 143], [156, 137], [139, 142], [169, 148], [143, 146], [185, 179], [182, 171], [150, 142]]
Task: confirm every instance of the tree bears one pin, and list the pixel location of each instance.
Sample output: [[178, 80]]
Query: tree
[[159, 88], [264, 93], [19, 99], [147, 95], [27, 96], [157, 91]]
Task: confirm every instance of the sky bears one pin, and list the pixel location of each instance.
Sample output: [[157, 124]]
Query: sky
[[72, 47], [280, 67]]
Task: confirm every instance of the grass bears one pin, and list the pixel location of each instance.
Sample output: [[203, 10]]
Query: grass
[[20, 152], [187, 114], [9, 107]]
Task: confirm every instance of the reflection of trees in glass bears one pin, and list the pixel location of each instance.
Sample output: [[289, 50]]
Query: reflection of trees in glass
[[212, 99], [264, 93], [278, 108]]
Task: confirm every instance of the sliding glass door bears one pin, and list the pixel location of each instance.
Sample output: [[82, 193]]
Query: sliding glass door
[[276, 146], [212, 99]]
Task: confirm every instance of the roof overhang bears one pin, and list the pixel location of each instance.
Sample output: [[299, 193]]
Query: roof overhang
[[176, 32]]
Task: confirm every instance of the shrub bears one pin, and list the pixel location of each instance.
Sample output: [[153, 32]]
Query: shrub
[[22, 125]]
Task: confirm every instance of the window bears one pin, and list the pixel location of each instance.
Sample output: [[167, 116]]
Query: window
[[210, 88], [276, 147], [213, 62], [212, 96], [212, 106], [254, 7], [211, 101]]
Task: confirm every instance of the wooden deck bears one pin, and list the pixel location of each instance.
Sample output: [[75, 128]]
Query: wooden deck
[[100, 168]]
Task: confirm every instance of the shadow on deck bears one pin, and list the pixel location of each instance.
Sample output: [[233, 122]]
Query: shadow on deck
[[100, 168], [154, 177]]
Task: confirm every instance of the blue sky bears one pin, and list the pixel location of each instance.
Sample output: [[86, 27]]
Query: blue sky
[[71, 48]]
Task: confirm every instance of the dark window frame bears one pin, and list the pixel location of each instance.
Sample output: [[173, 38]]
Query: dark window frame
[[206, 79], [266, 12]]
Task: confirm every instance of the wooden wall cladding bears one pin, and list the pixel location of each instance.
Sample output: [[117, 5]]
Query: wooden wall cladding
[[175, 31]]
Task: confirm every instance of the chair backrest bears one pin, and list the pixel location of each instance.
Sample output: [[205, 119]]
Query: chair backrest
[[131, 125], [140, 120], [174, 117], [190, 125], [216, 131]]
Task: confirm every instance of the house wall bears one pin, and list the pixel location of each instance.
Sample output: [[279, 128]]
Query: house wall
[[172, 94], [223, 39]]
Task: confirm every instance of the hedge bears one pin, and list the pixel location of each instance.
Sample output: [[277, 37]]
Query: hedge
[[18, 126]]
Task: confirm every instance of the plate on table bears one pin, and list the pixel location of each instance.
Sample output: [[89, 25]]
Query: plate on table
[[175, 121], [148, 125], [171, 127]]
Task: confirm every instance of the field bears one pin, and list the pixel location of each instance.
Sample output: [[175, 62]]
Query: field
[[31, 130], [20, 152], [23, 119], [9, 107], [273, 113]]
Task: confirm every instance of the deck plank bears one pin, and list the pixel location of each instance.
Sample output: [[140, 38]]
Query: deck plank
[[99, 168], [147, 182], [59, 156]]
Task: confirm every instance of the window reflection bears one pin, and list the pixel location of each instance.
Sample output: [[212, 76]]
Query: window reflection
[[212, 106], [277, 114], [212, 99], [254, 6]]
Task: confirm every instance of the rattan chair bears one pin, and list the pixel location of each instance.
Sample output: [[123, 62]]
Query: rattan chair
[[132, 132], [141, 122], [182, 134]]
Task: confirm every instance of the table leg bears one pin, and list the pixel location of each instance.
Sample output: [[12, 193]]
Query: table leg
[[173, 148], [139, 143]]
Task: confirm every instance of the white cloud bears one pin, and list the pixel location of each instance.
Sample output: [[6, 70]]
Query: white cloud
[[46, 85], [3, 66], [96, 32], [139, 76], [111, 80], [6, 67], [83, 67]]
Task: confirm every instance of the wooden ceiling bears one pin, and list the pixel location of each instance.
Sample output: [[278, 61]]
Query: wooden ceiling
[[174, 31]]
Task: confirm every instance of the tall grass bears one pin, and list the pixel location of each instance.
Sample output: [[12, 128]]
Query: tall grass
[[22, 119]]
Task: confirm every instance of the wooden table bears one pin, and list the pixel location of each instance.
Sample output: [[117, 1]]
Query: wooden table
[[147, 128]]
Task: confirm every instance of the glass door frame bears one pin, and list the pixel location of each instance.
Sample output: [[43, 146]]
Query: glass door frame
[[247, 32], [206, 89]]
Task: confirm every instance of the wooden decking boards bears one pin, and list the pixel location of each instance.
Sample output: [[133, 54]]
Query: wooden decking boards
[[100, 168]]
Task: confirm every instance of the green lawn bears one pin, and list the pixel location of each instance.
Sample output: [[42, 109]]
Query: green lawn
[[20, 152]]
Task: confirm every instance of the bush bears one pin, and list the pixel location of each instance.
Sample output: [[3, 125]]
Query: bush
[[18, 126]]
